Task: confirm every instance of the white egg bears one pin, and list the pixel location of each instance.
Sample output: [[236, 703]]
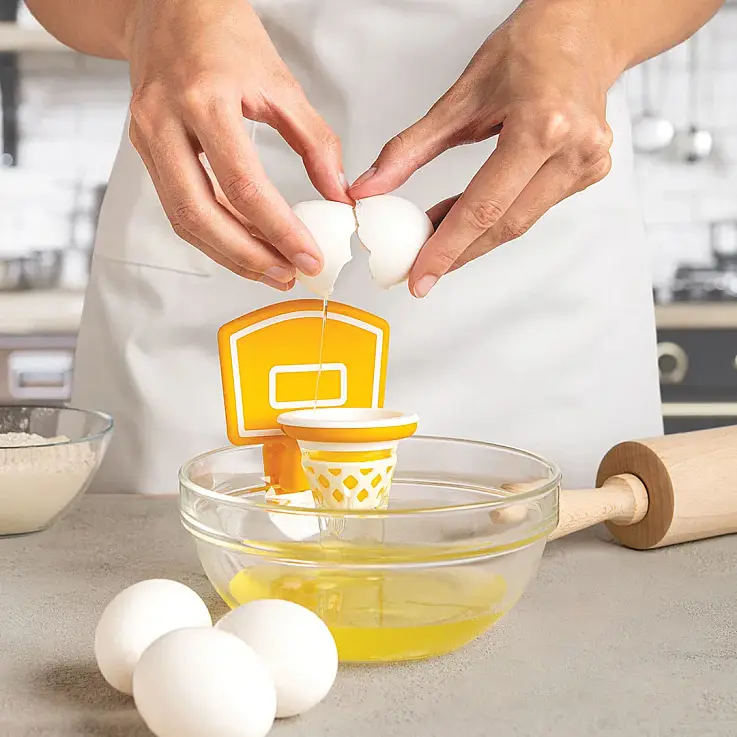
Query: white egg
[[332, 224], [135, 618], [393, 230], [296, 646], [204, 682]]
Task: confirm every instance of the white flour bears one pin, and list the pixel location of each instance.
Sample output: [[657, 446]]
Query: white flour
[[36, 483]]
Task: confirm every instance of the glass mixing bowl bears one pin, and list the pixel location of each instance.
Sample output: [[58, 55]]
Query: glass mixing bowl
[[460, 541], [41, 475]]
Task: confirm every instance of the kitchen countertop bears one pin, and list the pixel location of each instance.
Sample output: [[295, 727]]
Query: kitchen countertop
[[15, 37], [607, 641], [706, 315], [60, 311], [40, 312]]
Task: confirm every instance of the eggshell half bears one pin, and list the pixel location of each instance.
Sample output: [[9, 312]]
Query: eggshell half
[[332, 224], [393, 230]]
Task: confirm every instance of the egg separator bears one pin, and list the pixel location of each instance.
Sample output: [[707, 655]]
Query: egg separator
[[348, 454], [297, 355]]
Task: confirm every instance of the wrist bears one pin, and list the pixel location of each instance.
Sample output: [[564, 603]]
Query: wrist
[[589, 31], [130, 24]]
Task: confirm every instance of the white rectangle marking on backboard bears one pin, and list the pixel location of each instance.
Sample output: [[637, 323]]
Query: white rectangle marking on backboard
[[238, 390], [308, 402]]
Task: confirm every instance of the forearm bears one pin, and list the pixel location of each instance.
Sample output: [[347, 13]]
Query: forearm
[[621, 33], [641, 29], [95, 27]]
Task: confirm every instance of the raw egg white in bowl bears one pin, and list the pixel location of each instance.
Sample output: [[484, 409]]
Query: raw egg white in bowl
[[390, 228]]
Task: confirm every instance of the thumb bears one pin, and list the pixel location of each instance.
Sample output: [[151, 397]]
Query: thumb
[[307, 133], [407, 152]]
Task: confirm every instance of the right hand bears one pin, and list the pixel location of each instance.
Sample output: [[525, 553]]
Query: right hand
[[197, 69]]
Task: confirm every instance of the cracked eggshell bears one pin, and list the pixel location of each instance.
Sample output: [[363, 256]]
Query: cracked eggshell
[[393, 230], [332, 225]]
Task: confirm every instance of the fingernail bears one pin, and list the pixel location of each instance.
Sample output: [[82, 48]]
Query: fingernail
[[343, 181], [307, 264], [424, 285], [280, 285], [364, 177], [279, 273]]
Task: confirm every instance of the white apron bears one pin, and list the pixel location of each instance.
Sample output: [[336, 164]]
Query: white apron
[[547, 344]]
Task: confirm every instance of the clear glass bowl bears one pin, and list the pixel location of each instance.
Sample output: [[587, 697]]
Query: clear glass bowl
[[39, 481], [451, 555]]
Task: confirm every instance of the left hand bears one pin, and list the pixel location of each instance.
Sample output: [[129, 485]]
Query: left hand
[[540, 82]]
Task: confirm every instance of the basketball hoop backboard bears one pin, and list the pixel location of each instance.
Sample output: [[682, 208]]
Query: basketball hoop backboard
[[270, 360]]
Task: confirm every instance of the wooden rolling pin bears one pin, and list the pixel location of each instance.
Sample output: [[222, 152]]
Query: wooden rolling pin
[[658, 492]]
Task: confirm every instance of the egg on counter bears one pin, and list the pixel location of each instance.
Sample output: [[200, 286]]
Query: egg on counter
[[135, 618], [296, 647], [203, 682], [390, 228]]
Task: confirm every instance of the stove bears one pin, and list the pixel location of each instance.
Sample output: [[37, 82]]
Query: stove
[[704, 284], [716, 282]]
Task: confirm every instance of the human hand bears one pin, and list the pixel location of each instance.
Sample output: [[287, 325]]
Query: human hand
[[539, 82], [197, 69]]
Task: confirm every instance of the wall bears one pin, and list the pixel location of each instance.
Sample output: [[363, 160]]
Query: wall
[[71, 119], [74, 107], [680, 200]]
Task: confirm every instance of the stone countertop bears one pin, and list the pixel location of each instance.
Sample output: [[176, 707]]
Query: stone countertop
[[606, 642]]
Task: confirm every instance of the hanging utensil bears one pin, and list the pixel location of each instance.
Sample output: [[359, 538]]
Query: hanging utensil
[[9, 92], [651, 132], [698, 142]]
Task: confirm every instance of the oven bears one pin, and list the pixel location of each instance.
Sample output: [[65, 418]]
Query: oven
[[697, 360], [36, 369]]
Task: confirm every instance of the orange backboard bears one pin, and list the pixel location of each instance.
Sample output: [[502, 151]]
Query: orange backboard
[[269, 361]]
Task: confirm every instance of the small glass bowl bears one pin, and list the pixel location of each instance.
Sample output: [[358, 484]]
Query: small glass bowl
[[39, 482], [458, 544]]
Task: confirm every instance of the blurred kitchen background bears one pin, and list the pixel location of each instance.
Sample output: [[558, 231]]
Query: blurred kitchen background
[[61, 121]]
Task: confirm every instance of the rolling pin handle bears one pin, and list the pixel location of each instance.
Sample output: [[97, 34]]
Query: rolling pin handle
[[621, 500]]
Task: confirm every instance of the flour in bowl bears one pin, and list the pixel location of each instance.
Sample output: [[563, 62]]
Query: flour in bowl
[[39, 477]]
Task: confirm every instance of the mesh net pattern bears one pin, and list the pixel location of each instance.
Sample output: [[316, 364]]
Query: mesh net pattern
[[350, 484]]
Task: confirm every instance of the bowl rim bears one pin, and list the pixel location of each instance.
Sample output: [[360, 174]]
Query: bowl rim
[[512, 499], [108, 419]]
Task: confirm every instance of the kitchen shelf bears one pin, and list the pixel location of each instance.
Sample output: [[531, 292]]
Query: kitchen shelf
[[14, 38]]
